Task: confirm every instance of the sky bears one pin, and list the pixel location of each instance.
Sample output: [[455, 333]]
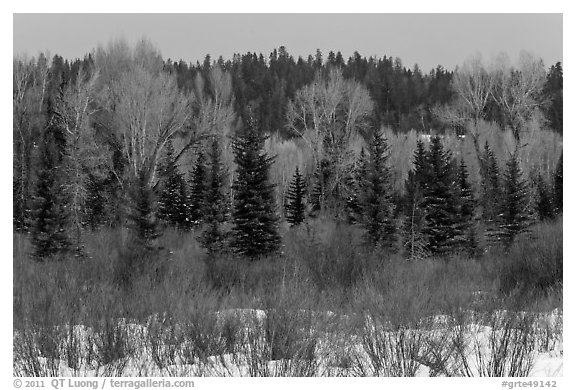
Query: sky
[[425, 39]]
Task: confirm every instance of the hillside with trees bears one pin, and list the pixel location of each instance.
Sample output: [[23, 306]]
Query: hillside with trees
[[274, 181]]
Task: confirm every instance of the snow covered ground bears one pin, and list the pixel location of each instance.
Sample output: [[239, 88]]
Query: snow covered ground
[[478, 346]]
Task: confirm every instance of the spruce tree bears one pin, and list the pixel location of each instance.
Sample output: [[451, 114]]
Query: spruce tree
[[467, 212], [255, 231], [214, 204], [143, 222], [514, 217], [95, 202], [172, 198], [376, 196], [440, 200], [558, 180], [48, 211], [414, 240], [491, 193], [295, 207], [544, 199], [197, 193], [353, 202]]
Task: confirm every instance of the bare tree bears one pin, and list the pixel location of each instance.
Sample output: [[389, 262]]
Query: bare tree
[[328, 115], [474, 86], [143, 108], [518, 90], [30, 78], [72, 112]]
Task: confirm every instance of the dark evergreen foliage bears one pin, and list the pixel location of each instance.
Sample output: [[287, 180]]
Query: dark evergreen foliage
[[48, 214], [558, 180], [376, 196], [295, 206], [491, 187], [514, 217], [215, 208], [197, 192], [95, 202], [143, 222], [414, 242], [544, 200], [172, 199], [469, 241], [255, 231], [440, 200]]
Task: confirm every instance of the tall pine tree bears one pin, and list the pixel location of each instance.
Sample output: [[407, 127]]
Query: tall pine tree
[[467, 203], [514, 217], [215, 208], [197, 192], [491, 193], [255, 231], [440, 200], [414, 240], [48, 215], [172, 198], [376, 196], [558, 180], [295, 206]]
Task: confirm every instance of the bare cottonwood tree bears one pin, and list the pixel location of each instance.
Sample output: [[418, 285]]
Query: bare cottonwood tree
[[143, 108], [30, 79], [474, 85], [73, 111], [328, 115], [518, 89]]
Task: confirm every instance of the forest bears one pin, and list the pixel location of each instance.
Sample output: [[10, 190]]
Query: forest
[[309, 198]]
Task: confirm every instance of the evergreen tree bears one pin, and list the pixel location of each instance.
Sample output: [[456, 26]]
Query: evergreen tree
[[95, 202], [376, 196], [143, 222], [48, 214], [255, 220], [215, 207], [467, 211], [295, 207], [414, 240], [172, 199], [544, 199], [353, 202], [197, 193], [491, 193], [558, 180], [514, 217], [440, 200], [320, 180]]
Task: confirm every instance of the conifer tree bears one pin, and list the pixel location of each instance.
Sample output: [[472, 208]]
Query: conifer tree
[[353, 202], [414, 240], [376, 196], [544, 200], [215, 208], [558, 180], [491, 191], [48, 214], [172, 199], [197, 193], [467, 212], [440, 200], [143, 222], [295, 207], [255, 231], [514, 217], [95, 202]]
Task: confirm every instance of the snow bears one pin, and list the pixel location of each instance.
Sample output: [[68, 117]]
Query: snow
[[336, 353]]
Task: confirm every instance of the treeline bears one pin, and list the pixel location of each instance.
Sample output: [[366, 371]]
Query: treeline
[[124, 138]]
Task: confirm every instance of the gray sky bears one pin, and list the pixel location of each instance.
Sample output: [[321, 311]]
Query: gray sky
[[426, 39]]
